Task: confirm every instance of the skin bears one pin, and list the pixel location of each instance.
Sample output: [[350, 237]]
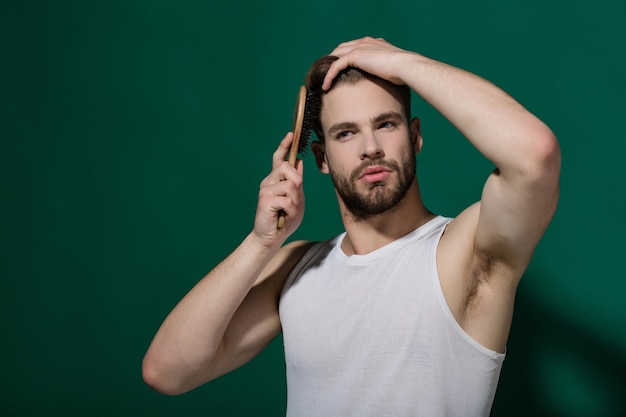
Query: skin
[[232, 313], [380, 181]]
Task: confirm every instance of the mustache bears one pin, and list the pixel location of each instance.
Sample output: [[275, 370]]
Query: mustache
[[389, 164]]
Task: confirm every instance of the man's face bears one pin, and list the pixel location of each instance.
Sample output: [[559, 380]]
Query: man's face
[[369, 151]]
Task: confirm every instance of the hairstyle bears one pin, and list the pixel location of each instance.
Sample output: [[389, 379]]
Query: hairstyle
[[351, 75]]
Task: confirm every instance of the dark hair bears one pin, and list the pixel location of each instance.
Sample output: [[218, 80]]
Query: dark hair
[[351, 75]]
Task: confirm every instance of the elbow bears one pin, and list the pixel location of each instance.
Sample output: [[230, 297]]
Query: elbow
[[544, 163], [550, 149], [157, 378]]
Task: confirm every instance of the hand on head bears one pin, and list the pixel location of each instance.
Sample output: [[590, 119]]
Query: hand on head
[[375, 56]]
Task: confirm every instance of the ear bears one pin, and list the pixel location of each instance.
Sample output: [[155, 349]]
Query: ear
[[319, 150], [416, 134]]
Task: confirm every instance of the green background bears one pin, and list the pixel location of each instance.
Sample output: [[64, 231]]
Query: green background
[[133, 137]]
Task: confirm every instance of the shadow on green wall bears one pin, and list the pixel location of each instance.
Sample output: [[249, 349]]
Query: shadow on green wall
[[556, 367]]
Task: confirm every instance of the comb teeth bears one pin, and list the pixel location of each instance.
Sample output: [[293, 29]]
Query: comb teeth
[[311, 113]]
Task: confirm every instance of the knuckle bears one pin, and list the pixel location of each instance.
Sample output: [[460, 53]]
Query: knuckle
[[289, 205], [291, 188], [262, 197], [278, 154]]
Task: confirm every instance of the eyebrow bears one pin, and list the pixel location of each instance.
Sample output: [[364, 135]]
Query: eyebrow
[[390, 115], [341, 126]]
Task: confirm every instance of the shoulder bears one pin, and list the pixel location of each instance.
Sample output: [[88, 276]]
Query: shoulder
[[283, 262], [288, 256], [292, 252]]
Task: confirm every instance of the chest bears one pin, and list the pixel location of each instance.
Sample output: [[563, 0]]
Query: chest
[[370, 312]]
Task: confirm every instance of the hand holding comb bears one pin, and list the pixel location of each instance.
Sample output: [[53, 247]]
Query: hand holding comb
[[301, 129]]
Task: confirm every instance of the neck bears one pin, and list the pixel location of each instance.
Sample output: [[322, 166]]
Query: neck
[[365, 236]]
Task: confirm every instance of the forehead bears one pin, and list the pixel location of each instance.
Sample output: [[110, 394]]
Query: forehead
[[357, 103]]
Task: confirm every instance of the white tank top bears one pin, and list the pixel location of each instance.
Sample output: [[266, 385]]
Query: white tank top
[[372, 335]]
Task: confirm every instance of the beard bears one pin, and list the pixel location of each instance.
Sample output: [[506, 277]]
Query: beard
[[381, 196]]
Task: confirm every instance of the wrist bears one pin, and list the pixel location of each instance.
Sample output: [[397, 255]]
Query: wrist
[[410, 64], [262, 244]]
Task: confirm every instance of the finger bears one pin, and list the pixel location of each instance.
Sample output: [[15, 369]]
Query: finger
[[346, 47], [353, 44], [281, 152], [348, 53], [300, 167], [290, 179], [289, 206], [292, 174], [279, 197], [278, 192], [335, 68], [342, 47], [284, 172]]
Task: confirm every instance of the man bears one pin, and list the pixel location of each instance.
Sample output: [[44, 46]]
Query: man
[[406, 313]]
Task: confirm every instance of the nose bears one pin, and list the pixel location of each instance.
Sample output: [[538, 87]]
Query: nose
[[371, 147]]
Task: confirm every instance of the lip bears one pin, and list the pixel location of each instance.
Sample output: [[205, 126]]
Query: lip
[[374, 173], [373, 170]]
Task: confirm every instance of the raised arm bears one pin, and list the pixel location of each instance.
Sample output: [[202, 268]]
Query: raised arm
[[520, 198], [486, 249], [232, 313]]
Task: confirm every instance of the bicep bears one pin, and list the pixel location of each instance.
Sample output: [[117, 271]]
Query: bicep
[[256, 322], [253, 326], [514, 214]]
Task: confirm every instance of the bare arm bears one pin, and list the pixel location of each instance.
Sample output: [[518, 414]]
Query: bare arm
[[486, 249], [519, 199], [232, 313]]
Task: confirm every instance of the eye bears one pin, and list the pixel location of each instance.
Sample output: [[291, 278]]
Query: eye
[[388, 125], [343, 134]]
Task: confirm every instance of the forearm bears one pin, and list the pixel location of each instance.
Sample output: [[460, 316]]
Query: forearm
[[183, 349], [520, 198], [232, 312], [497, 125]]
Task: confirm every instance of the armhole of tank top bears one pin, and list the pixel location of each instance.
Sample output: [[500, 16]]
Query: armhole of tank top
[[313, 249], [449, 317]]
